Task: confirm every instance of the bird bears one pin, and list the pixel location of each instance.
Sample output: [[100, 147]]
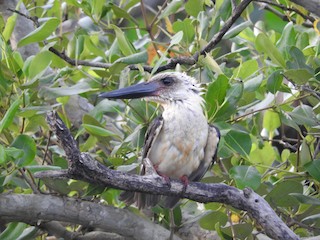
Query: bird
[[179, 142]]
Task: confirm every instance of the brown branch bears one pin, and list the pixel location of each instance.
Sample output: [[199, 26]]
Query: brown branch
[[283, 16], [291, 9], [83, 167]]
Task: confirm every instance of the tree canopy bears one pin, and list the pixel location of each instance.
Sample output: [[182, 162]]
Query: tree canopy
[[258, 64]]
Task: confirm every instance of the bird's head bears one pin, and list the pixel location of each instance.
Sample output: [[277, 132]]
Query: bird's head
[[164, 88]]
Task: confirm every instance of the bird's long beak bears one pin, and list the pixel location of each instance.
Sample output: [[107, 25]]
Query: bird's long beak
[[135, 91]]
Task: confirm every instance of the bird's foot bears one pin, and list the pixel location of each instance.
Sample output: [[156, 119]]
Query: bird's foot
[[185, 181], [151, 169]]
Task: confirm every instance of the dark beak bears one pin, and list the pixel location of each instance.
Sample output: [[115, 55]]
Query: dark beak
[[135, 91]]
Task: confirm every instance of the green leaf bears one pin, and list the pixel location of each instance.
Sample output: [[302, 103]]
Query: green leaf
[[241, 231], [280, 194], [264, 156], [80, 39], [91, 125], [298, 60], [141, 57], [216, 93], [98, 131], [94, 189], [313, 168], [28, 146], [9, 115], [193, 7], [29, 233], [97, 9], [234, 31], [298, 76], [305, 153], [209, 220], [39, 64], [306, 199], [246, 176], [304, 115], [311, 220], [40, 168], [274, 81], [10, 24], [105, 105], [264, 44], [209, 62], [246, 69], [172, 8], [187, 28], [124, 44], [288, 38], [234, 93], [238, 142], [271, 121], [51, 93], [14, 152], [176, 39], [253, 84], [3, 155], [41, 33], [122, 13], [13, 231]]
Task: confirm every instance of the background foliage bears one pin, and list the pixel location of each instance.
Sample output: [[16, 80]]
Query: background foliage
[[261, 90]]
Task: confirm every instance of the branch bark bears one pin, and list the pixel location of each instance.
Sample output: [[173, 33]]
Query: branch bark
[[83, 167], [36, 209]]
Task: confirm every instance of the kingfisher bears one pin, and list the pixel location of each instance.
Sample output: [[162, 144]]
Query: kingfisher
[[179, 143]]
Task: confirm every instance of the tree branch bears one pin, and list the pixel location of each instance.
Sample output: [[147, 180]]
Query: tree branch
[[36, 209], [83, 167], [311, 5], [283, 7]]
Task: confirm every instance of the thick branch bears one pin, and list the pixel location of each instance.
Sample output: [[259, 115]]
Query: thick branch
[[83, 167], [37, 209]]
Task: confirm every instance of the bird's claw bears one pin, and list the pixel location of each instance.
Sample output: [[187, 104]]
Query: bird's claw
[[150, 169], [185, 181]]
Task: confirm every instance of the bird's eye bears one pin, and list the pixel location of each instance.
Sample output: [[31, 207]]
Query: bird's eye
[[168, 81]]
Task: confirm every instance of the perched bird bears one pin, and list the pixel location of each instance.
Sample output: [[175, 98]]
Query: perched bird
[[180, 143]]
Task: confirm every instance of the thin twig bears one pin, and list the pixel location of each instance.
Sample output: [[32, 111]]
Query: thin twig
[[148, 27], [158, 13], [292, 9], [29, 181], [283, 16]]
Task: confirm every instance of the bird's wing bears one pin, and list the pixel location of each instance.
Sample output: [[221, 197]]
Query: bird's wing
[[145, 200], [210, 153], [151, 135]]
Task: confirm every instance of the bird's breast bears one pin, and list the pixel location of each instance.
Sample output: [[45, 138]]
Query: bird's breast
[[179, 147]]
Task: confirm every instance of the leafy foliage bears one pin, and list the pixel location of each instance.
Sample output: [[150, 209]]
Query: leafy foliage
[[262, 92]]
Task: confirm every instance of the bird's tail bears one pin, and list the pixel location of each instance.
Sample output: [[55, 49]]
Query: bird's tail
[[142, 200]]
